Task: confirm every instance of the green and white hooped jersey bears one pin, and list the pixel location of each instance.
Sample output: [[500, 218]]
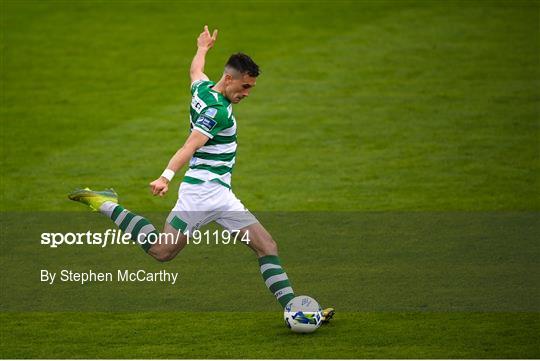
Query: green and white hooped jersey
[[211, 114]]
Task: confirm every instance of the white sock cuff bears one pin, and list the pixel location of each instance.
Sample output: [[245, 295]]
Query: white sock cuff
[[107, 208]]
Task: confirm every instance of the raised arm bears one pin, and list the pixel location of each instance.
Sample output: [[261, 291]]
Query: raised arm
[[205, 42]]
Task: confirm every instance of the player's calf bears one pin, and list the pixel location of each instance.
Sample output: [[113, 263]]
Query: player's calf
[[275, 278], [260, 241]]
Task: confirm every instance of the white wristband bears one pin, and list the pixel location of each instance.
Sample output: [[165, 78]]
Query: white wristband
[[168, 174]]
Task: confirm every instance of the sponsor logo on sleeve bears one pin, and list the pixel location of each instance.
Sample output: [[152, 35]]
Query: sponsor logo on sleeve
[[206, 123], [211, 112]]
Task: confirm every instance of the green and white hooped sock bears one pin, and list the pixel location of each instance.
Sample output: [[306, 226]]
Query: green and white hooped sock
[[139, 227], [276, 279]]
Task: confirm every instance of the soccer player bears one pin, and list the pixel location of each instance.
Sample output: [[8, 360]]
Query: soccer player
[[205, 194]]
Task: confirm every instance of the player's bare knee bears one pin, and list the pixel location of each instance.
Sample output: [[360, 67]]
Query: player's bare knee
[[162, 255]]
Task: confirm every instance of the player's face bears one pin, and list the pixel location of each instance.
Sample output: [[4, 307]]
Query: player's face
[[239, 88]]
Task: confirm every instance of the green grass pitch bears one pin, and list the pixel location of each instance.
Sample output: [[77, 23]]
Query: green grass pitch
[[391, 148]]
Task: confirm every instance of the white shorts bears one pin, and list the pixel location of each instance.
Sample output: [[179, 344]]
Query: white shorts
[[200, 204]]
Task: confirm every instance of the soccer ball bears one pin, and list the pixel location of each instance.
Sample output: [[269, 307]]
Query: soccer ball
[[303, 314]]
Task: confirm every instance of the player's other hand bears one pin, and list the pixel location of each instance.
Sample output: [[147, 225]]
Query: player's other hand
[[159, 187], [205, 40]]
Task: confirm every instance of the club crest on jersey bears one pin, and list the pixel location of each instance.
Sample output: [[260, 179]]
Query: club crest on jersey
[[206, 123], [211, 112]]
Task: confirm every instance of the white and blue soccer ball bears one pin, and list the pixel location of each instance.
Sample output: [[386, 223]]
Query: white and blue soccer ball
[[303, 314]]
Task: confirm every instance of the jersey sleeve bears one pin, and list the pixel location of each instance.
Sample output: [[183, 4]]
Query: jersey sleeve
[[197, 83], [212, 120]]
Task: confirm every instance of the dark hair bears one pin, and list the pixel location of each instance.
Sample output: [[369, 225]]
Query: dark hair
[[244, 64]]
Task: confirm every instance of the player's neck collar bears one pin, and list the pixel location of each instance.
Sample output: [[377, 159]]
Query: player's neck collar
[[211, 88]]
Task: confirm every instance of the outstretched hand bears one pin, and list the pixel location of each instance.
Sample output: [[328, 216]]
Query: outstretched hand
[[205, 40], [159, 187]]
